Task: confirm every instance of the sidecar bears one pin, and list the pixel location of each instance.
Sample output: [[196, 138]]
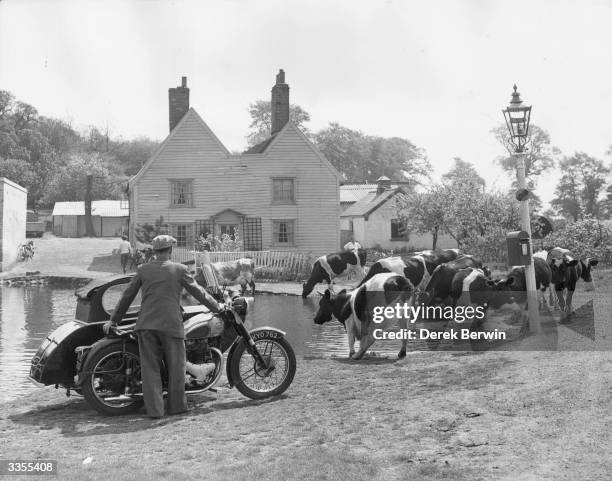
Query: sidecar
[[56, 361]]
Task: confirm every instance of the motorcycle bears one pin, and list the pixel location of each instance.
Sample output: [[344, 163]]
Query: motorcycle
[[105, 369]]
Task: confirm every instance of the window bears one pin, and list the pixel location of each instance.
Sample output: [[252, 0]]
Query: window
[[183, 233], [182, 193], [251, 228], [283, 191], [398, 230], [284, 232]]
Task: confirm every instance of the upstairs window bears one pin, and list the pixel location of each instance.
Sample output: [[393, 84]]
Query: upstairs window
[[283, 191], [182, 193]]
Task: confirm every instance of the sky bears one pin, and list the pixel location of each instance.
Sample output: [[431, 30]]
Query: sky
[[437, 73]]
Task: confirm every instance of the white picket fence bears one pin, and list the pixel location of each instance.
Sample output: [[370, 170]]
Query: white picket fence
[[285, 262]]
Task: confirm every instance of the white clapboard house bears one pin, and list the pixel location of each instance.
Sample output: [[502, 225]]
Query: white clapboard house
[[281, 194]]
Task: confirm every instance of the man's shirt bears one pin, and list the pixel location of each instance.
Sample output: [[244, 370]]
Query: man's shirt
[[124, 247], [161, 283]]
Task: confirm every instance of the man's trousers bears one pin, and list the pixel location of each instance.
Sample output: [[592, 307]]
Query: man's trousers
[[154, 346]]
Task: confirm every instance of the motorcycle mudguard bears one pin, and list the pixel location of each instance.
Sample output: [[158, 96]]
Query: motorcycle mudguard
[[55, 360], [255, 335]]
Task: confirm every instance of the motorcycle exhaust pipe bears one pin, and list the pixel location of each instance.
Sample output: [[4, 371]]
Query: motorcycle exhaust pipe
[[121, 397]]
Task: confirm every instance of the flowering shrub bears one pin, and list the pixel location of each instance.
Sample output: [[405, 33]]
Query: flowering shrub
[[225, 243], [584, 238]]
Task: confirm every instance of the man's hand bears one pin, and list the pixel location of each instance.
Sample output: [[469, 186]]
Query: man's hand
[[108, 326]]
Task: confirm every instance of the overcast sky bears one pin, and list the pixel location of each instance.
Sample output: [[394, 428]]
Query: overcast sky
[[437, 73]]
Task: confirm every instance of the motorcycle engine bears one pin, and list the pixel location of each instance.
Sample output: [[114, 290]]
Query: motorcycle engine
[[197, 351]]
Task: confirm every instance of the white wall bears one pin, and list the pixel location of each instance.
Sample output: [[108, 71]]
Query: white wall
[[13, 206]]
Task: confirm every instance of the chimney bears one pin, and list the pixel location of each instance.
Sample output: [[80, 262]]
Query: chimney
[[178, 102], [382, 184], [280, 103]]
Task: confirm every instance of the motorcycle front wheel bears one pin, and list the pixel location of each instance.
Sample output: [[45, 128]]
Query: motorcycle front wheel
[[109, 371], [256, 381]]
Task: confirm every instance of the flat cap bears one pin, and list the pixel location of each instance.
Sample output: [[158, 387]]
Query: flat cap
[[162, 242]]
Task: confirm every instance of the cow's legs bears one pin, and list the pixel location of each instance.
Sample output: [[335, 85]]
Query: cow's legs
[[364, 344], [252, 284], [568, 302], [350, 332], [403, 323]]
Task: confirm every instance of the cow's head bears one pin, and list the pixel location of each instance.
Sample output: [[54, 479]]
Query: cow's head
[[328, 306], [510, 289]]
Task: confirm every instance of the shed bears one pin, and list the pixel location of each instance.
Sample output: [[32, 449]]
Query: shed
[[109, 217]]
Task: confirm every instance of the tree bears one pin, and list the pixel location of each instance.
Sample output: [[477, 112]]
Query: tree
[[261, 120], [539, 154], [69, 183], [360, 158], [463, 172], [18, 171], [578, 192]]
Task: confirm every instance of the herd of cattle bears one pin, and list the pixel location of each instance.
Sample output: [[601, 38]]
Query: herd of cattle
[[435, 278], [426, 278]]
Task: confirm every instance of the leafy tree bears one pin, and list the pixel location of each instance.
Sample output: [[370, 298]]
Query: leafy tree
[[261, 120], [539, 156], [361, 158], [587, 237], [69, 183], [464, 172], [578, 192], [18, 171]]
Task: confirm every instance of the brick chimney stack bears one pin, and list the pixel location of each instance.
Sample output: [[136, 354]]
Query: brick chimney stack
[[280, 103], [383, 184], [178, 102]]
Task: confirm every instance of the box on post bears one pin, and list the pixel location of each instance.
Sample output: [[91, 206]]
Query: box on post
[[519, 248]]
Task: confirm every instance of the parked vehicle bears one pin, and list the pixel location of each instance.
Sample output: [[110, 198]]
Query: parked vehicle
[[106, 369], [34, 227]]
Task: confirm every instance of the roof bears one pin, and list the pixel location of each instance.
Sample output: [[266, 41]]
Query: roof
[[102, 208], [260, 147], [351, 193], [369, 203]]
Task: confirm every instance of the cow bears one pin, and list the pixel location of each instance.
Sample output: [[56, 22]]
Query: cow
[[417, 268], [438, 289], [355, 309], [516, 282], [328, 267], [566, 271], [240, 271]]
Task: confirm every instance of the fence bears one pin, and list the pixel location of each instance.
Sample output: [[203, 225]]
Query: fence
[[278, 265]]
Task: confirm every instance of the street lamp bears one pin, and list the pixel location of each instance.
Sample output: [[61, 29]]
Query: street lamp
[[517, 116]]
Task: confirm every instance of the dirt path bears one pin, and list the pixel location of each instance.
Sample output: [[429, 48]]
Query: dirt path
[[459, 416]]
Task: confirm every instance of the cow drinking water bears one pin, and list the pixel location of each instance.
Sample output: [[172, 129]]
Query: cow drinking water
[[355, 309], [328, 267]]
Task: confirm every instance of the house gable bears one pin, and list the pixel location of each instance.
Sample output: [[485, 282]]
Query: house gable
[[191, 133]]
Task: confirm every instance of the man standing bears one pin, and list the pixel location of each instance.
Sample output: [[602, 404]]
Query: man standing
[[353, 246], [124, 250], [160, 325]]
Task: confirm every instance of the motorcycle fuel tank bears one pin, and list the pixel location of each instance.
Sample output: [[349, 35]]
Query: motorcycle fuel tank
[[203, 325]]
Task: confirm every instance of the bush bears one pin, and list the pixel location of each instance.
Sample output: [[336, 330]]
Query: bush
[[584, 238]]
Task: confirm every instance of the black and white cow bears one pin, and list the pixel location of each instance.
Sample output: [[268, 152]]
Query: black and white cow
[[516, 282], [330, 266], [417, 268], [239, 271], [355, 309], [566, 271], [438, 289]]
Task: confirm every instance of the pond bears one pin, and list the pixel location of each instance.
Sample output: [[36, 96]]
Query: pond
[[28, 314]]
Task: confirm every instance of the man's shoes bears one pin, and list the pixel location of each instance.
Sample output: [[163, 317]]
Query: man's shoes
[[200, 371]]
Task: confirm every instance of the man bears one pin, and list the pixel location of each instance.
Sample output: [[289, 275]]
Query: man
[[124, 250], [160, 326], [352, 246]]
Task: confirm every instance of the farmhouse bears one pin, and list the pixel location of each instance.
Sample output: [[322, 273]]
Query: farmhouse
[[368, 213], [281, 194]]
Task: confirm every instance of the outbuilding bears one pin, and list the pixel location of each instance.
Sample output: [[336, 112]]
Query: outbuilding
[[109, 217]]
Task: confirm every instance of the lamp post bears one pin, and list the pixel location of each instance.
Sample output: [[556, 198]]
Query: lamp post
[[517, 116]]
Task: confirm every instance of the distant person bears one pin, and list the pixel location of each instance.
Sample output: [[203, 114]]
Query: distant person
[[125, 249], [352, 246]]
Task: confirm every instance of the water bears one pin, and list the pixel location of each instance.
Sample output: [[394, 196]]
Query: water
[[28, 314]]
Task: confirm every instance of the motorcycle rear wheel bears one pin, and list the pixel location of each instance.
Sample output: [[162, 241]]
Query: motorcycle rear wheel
[[106, 374], [254, 381]]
